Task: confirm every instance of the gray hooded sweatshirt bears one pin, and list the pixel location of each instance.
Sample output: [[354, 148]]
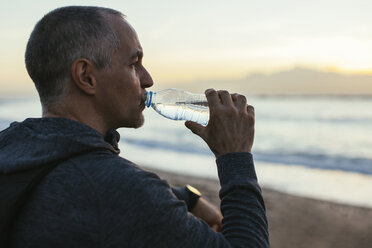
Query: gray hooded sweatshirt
[[95, 198]]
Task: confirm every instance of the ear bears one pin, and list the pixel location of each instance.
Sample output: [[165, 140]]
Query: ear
[[83, 76]]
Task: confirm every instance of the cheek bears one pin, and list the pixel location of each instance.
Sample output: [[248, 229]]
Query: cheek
[[127, 83]]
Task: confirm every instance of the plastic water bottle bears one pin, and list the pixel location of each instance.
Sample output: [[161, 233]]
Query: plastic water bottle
[[177, 104]]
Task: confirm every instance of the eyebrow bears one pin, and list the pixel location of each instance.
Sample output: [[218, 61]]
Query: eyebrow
[[138, 54]]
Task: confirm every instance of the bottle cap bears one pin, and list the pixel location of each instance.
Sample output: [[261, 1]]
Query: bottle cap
[[149, 98]]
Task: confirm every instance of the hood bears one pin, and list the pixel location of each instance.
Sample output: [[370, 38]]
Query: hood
[[40, 141]]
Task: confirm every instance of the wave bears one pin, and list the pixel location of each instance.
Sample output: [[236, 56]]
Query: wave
[[312, 119], [178, 147], [320, 161]]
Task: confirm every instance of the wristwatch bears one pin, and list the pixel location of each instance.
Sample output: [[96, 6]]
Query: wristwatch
[[194, 196]]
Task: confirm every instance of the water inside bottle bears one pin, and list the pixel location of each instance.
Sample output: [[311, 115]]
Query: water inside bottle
[[193, 111]]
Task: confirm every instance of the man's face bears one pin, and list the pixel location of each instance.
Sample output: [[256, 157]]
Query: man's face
[[121, 88]]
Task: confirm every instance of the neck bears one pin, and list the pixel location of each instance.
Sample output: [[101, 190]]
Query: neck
[[83, 113]]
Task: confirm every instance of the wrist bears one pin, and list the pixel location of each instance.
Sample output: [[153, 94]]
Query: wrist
[[234, 168], [232, 154], [194, 196]]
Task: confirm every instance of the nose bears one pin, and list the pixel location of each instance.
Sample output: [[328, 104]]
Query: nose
[[146, 79]]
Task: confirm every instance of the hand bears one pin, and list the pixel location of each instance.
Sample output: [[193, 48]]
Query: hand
[[231, 124], [209, 213]]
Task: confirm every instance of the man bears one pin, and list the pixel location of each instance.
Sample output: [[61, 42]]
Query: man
[[86, 63]]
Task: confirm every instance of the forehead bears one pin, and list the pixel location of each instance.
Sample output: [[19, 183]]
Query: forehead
[[129, 43]]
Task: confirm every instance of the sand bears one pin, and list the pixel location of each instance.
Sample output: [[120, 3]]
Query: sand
[[298, 221]]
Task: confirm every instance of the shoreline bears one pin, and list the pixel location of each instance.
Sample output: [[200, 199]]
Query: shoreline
[[329, 185], [296, 221]]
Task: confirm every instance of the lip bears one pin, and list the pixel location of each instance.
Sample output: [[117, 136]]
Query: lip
[[143, 100], [142, 105]]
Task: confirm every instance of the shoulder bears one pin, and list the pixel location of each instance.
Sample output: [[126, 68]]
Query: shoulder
[[114, 176], [106, 166]]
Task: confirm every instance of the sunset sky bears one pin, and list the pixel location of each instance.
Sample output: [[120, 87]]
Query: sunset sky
[[186, 41]]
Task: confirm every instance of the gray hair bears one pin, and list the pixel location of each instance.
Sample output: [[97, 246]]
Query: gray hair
[[62, 36]]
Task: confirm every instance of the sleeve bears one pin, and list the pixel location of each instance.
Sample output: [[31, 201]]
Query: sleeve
[[150, 215], [182, 194], [242, 205]]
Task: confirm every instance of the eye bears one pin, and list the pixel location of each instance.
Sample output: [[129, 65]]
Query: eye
[[136, 65]]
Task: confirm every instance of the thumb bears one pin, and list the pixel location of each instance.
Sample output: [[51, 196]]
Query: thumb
[[196, 128]]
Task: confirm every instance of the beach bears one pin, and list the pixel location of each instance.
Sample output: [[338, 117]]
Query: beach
[[297, 221], [311, 158]]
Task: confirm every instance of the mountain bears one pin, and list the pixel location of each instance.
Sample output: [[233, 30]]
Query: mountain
[[290, 82]]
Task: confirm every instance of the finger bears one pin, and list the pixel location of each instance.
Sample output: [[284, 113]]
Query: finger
[[250, 110], [225, 97], [195, 128], [241, 102], [212, 96], [213, 99], [234, 96]]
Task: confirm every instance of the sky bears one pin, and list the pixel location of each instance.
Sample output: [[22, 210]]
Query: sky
[[188, 41]]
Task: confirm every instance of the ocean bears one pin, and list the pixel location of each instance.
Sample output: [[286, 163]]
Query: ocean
[[312, 146]]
